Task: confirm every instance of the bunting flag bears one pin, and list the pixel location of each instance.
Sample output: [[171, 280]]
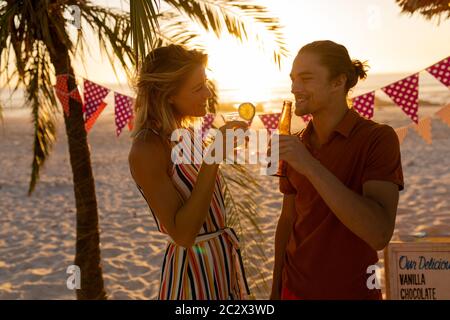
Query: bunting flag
[[441, 71], [423, 128], [61, 83], [364, 104], [306, 118], [270, 121], [207, 123], [401, 133], [123, 111], [75, 94], [90, 122], [444, 114], [405, 94], [93, 97], [61, 91], [131, 122]]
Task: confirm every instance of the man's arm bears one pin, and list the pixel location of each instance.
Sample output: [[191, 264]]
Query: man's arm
[[370, 216], [283, 232]]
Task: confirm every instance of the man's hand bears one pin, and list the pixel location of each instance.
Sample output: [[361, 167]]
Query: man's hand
[[293, 151]]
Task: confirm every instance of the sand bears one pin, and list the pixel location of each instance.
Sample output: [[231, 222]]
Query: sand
[[37, 233]]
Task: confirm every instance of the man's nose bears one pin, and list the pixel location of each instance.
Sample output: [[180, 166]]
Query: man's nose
[[296, 87]]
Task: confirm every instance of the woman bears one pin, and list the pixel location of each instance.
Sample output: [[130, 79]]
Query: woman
[[202, 259]]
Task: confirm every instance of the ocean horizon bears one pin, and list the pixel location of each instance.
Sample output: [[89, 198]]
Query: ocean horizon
[[431, 92]]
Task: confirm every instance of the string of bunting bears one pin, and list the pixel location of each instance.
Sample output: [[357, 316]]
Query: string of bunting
[[404, 93]]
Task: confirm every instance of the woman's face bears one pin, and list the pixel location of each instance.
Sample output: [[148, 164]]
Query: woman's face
[[191, 99]]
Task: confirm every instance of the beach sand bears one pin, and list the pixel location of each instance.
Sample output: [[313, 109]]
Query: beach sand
[[37, 233]]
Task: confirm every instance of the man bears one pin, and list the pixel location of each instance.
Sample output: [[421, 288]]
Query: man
[[342, 187]]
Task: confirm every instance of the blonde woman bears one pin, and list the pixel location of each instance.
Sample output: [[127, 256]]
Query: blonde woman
[[202, 259]]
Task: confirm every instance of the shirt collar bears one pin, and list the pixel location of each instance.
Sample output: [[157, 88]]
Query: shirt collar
[[344, 127]]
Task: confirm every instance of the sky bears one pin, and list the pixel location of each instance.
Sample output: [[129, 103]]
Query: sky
[[372, 30]]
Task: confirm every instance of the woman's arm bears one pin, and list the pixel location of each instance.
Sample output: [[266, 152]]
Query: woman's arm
[[149, 163]]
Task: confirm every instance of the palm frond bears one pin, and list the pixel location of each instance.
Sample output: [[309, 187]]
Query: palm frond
[[429, 9], [41, 97], [113, 30], [23, 34], [174, 29], [239, 188], [144, 24], [243, 19]]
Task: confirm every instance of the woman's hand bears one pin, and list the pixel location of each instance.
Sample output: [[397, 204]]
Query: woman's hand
[[232, 126]]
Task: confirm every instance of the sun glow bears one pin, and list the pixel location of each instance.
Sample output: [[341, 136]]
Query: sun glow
[[243, 72]]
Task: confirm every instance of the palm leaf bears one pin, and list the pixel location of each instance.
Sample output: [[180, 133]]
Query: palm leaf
[[244, 20], [113, 31], [144, 24], [239, 188], [429, 9], [174, 29], [40, 96]]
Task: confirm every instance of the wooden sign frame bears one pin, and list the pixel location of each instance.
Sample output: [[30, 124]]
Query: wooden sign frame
[[425, 246]]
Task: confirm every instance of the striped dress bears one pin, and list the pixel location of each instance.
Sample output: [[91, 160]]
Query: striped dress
[[212, 268]]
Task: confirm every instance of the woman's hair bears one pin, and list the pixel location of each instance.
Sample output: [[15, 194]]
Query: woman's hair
[[162, 73], [336, 59]]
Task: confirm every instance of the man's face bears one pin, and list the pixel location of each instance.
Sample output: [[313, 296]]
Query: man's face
[[311, 85]]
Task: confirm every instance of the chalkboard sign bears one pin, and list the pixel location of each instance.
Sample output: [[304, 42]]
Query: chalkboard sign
[[418, 270]]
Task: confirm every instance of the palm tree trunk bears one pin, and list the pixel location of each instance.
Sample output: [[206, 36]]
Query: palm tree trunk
[[87, 256]]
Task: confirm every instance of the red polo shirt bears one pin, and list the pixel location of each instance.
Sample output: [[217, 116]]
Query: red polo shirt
[[324, 259]]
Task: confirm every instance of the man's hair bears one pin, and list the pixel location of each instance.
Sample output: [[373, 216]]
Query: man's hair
[[336, 59]]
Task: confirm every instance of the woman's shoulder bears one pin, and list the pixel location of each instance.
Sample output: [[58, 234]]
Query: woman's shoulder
[[149, 148]]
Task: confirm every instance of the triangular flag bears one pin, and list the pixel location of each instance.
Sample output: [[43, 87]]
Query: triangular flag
[[270, 120], [61, 83], [93, 97], [62, 92], [75, 94], [405, 94], [364, 104], [63, 99], [401, 133], [131, 122], [123, 111], [441, 71], [207, 123], [444, 114], [90, 122], [306, 118], [423, 128]]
